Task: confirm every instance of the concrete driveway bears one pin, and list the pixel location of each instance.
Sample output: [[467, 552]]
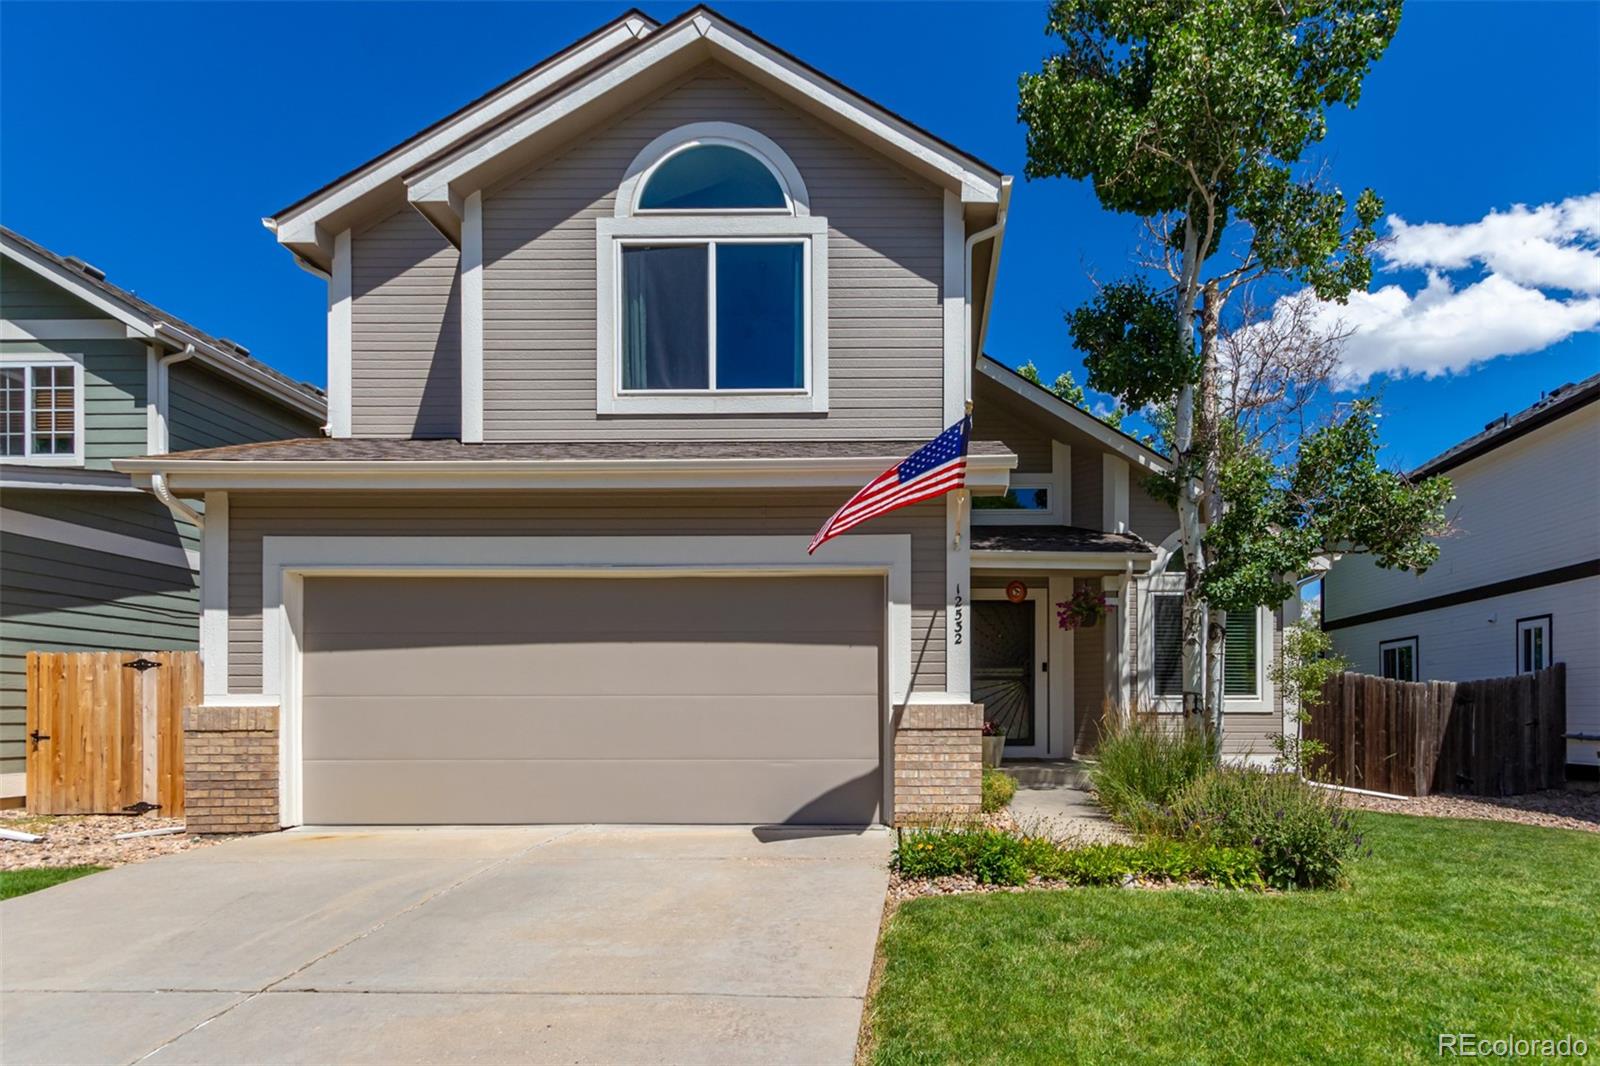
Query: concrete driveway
[[570, 944]]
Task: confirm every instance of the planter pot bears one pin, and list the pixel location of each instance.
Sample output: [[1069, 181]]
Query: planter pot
[[993, 749]]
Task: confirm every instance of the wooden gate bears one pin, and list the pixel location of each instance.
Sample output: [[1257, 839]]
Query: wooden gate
[[105, 729]]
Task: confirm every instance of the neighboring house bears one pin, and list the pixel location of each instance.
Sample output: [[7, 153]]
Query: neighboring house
[[90, 373], [1517, 584], [605, 348]]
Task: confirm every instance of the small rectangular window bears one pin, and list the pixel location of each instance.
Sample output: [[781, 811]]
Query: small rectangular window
[[1400, 660], [1167, 661], [39, 412], [1239, 656], [1533, 644], [1020, 499]]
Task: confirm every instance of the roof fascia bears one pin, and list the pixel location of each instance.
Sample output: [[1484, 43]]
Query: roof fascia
[[985, 473], [1580, 398], [1111, 561], [307, 227], [434, 186], [163, 332], [1116, 440]]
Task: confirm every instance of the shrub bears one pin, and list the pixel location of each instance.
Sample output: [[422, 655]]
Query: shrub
[[995, 857], [1142, 765], [998, 788], [1304, 834]]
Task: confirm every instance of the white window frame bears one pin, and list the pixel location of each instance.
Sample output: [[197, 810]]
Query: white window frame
[[632, 226], [1414, 643], [28, 363], [1059, 485], [1542, 622], [1162, 582]]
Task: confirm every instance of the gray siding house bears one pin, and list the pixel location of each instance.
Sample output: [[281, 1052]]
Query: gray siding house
[[605, 349], [90, 373]]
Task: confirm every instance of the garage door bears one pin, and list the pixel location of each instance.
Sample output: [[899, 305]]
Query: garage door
[[630, 699]]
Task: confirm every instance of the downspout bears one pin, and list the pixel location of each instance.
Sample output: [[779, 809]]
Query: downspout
[[163, 391], [179, 509], [967, 340]]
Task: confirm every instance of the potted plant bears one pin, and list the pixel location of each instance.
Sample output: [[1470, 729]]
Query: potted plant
[[1083, 611], [994, 743]]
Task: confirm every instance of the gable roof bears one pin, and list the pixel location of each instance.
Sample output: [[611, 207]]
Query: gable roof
[[149, 322], [1049, 403], [562, 96], [1559, 402]]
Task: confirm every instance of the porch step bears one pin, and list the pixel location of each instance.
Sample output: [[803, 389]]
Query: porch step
[[1047, 773]]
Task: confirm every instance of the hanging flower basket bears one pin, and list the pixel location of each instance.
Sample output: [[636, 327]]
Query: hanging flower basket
[[1084, 610]]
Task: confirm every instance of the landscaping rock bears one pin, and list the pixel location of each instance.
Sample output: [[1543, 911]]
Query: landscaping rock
[[88, 840], [1556, 808]]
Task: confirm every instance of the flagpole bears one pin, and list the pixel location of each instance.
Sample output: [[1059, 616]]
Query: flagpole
[[962, 494]]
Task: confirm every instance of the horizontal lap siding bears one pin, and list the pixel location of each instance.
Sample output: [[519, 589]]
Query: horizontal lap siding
[[207, 410], [405, 330], [885, 267], [255, 515]]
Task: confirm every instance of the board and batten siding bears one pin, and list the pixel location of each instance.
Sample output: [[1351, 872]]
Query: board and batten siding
[[405, 330], [59, 597], [253, 516], [206, 410], [885, 270]]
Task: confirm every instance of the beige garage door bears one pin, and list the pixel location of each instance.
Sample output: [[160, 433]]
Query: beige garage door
[[636, 699]]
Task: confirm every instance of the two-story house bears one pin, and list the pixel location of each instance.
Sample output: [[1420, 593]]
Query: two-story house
[[1517, 584], [605, 348], [91, 373]]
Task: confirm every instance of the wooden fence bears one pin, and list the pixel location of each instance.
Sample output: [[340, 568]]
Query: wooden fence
[[105, 729], [1500, 737]]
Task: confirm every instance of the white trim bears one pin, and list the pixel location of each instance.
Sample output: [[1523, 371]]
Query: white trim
[[40, 527], [28, 363], [64, 479], [287, 561], [472, 320], [1043, 648], [958, 593], [1113, 493], [214, 595], [1125, 446], [1063, 672], [472, 165], [763, 148], [302, 228], [955, 315], [985, 473], [154, 420], [339, 338], [1098, 562], [611, 234], [62, 329]]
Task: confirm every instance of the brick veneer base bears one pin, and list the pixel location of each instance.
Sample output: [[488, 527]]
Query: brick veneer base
[[230, 769], [938, 761]]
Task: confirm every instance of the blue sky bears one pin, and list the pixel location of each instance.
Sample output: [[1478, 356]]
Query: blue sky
[[156, 162]]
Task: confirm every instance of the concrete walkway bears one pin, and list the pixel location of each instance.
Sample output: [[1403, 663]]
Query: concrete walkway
[[551, 944], [1068, 812]]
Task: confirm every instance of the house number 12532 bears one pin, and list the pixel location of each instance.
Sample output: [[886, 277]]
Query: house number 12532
[[957, 604]]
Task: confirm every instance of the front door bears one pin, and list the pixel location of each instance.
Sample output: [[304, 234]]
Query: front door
[[1007, 672]]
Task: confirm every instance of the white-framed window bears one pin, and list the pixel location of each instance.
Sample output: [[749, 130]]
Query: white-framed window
[[712, 281], [1534, 648], [1246, 688], [1032, 499], [41, 397], [1166, 661], [1400, 659]]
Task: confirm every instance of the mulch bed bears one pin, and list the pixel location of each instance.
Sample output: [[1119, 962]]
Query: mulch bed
[[87, 840], [1555, 808]]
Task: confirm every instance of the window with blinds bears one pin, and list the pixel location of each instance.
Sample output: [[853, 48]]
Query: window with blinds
[[1167, 662], [40, 412], [1239, 657]]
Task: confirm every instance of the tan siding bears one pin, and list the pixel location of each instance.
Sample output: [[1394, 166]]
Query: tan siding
[[253, 516], [1088, 476], [1029, 438], [885, 268], [405, 323], [1088, 684], [1148, 516]]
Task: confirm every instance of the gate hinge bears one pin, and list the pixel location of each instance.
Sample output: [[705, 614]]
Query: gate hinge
[[141, 664]]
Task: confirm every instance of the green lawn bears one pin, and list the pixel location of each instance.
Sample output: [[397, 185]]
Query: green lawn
[[21, 882], [1457, 926]]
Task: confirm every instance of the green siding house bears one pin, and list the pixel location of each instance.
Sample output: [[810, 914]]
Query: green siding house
[[89, 373]]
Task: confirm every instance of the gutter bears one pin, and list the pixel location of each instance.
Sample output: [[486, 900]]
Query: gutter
[[998, 232], [179, 509], [164, 390]]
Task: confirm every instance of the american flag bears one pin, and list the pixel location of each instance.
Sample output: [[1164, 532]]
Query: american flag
[[932, 470]]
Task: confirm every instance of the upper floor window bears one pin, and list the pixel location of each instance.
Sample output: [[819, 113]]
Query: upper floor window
[[42, 420], [712, 281]]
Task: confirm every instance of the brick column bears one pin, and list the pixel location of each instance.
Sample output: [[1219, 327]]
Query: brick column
[[230, 769], [938, 761]]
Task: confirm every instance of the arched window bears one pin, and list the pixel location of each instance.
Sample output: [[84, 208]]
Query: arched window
[[713, 281], [712, 177]]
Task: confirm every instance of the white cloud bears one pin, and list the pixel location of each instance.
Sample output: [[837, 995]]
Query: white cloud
[[1538, 283]]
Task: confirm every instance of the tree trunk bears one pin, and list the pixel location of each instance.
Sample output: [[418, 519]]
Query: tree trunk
[[1216, 654], [1208, 425], [1189, 525]]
